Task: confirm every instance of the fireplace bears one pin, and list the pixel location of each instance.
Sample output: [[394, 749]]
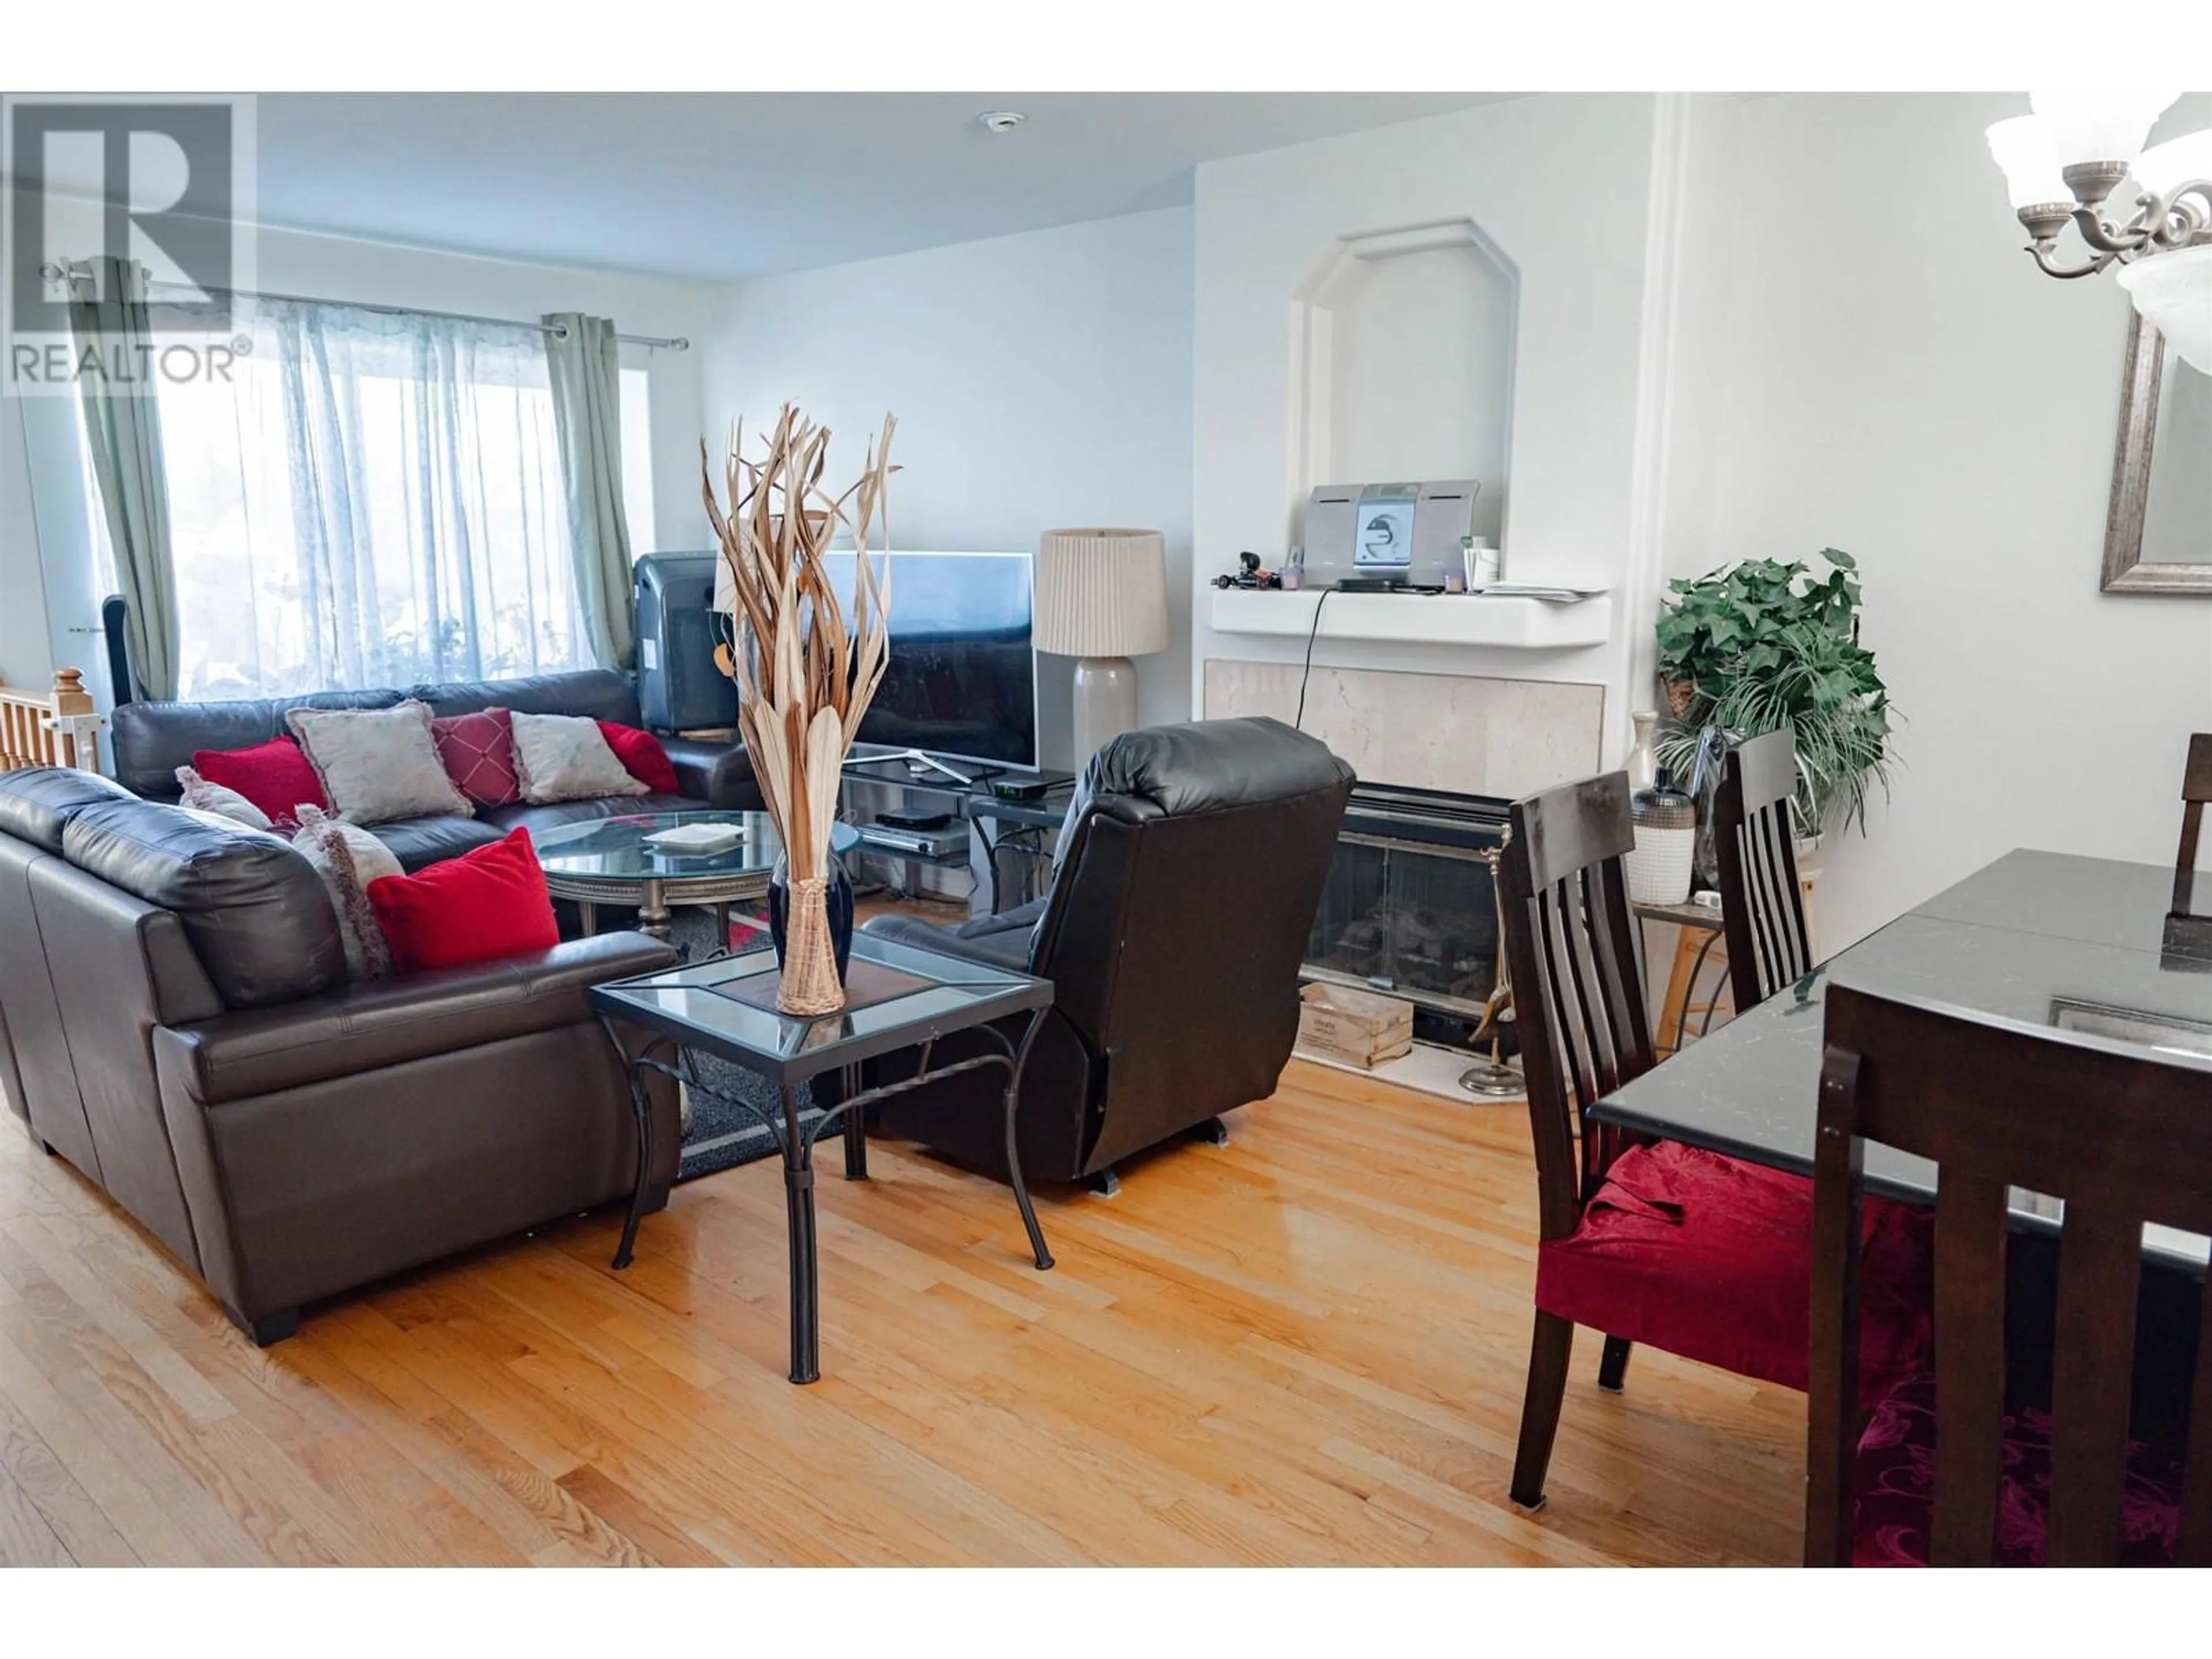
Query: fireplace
[[1410, 907]]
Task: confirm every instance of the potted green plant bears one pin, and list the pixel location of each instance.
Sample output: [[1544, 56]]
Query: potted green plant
[[1767, 645]]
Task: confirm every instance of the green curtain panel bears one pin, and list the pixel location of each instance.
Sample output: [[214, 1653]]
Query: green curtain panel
[[123, 425], [586, 374]]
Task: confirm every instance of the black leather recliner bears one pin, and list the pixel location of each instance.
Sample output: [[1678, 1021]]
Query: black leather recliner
[[1189, 872]]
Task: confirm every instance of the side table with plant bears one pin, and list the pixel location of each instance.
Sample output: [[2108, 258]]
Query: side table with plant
[[1764, 645]]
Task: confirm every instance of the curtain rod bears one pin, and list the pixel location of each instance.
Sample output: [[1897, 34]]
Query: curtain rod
[[54, 273]]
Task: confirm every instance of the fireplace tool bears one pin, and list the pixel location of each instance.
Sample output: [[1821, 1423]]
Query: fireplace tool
[[1493, 1077]]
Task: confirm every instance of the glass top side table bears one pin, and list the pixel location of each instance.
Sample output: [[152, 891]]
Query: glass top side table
[[901, 997]]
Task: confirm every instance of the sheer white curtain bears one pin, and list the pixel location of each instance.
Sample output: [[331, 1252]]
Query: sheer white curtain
[[367, 501]]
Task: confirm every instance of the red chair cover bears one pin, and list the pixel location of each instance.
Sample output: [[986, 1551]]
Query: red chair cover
[[1712, 1258], [1895, 1488]]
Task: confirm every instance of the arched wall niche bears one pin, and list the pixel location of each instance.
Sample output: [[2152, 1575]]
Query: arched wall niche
[[1401, 364]]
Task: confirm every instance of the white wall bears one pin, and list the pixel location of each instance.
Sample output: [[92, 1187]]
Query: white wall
[[1039, 380], [1882, 369], [1561, 185], [341, 268]]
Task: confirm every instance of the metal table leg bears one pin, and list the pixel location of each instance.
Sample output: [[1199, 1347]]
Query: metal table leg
[[990, 857], [856, 1126], [806, 1277], [1013, 1149], [640, 1106]]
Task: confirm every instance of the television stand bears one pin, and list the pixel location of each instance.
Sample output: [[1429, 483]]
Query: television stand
[[910, 784]]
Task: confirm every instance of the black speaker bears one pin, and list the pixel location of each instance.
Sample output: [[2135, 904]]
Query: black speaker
[[122, 676], [679, 688]]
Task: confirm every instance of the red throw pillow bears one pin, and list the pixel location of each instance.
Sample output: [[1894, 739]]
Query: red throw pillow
[[642, 756], [274, 775], [485, 906], [477, 751]]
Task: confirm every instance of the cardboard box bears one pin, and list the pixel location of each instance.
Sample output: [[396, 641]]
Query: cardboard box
[[1362, 1028]]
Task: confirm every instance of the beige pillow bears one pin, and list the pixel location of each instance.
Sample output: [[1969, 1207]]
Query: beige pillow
[[347, 858], [377, 764], [566, 757], [205, 796]]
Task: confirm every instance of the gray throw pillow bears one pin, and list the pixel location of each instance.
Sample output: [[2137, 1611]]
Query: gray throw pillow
[[566, 757], [203, 796], [377, 764], [347, 858]]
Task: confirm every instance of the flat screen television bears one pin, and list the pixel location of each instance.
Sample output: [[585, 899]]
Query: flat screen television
[[962, 676]]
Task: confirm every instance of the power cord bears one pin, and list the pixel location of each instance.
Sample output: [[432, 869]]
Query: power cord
[[1306, 673]]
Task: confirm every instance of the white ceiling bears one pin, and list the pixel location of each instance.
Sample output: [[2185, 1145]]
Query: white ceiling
[[727, 185]]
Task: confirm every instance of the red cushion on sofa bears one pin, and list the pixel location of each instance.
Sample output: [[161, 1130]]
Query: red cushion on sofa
[[485, 906], [274, 775], [477, 751], [1712, 1258], [642, 756], [1894, 1488]]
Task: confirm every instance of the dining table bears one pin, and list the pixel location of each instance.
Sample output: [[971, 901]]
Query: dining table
[[2047, 940]]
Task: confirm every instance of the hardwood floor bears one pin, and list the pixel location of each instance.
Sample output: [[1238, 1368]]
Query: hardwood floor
[[1307, 1347]]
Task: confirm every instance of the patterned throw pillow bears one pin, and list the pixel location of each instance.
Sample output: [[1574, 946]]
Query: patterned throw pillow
[[207, 797], [477, 751], [378, 764], [566, 757], [347, 858]]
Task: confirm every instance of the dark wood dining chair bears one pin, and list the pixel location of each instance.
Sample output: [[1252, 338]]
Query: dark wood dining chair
[[2123, 1140], [1570, 949], [2196, 791], [1645, 1241], [1755, 844]]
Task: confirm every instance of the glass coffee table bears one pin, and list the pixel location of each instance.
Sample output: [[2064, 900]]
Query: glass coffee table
[[610, 861], [898, 997]]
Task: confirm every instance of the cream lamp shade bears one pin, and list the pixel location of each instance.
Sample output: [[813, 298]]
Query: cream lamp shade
[[1102, 593]]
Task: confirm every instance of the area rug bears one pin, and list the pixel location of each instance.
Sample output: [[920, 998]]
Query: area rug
[[722, 1137]]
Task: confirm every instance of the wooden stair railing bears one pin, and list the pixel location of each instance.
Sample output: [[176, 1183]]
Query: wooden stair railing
[[49, 728]]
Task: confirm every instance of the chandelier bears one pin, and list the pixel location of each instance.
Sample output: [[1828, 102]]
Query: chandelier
[[2064, 163]]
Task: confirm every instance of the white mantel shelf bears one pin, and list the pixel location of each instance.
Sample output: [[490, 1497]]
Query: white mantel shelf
[[1469, 619]]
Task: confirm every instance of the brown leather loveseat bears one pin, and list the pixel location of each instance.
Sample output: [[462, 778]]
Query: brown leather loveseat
[[175, 1021]]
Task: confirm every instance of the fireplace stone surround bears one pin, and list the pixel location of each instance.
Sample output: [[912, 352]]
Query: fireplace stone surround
[[1410, 907]]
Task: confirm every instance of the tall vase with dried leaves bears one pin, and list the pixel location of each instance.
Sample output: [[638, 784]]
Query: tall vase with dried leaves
[[805, 669]]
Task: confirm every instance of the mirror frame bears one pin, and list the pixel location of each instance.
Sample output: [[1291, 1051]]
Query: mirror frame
[[2124, 571]]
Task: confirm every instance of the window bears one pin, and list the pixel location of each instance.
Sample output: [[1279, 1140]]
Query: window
[[369, 501], [637, 460]]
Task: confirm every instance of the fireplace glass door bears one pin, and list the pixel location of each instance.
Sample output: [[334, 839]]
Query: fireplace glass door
[[1414, 918]]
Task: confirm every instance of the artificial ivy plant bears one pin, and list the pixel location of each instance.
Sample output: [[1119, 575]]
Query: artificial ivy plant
[[1766, 645]]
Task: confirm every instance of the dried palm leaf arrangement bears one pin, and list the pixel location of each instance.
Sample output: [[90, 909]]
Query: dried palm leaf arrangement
[[805, 667]]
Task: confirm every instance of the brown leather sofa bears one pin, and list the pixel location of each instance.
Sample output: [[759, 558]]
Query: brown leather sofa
[[1188, 874], [153, 739], [175, 1022]]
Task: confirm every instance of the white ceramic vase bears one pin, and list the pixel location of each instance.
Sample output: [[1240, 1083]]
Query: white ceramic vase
[[1658, 869], [1642, 761]]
